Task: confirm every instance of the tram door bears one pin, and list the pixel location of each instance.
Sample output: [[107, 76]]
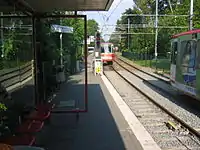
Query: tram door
[[174, 50], [197, 66]]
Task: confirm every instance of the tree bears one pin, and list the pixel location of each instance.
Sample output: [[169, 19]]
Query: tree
[[138, 43], [92, 27]]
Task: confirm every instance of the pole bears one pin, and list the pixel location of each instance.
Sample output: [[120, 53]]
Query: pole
[[61, 52], [156, 28], [170, 5], [120, 40], [36, 92], [191, 15], [2, 52], [85, 56], [128, 31], [76, 47]]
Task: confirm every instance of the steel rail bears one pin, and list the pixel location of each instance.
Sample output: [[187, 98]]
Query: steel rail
[[183, 123]]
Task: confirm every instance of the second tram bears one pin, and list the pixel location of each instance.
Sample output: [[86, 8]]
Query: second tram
[[185, 63]]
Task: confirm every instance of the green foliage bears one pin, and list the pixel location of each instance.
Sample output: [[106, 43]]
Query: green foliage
[[145, 43], [125, 50], [92, 27], [16, 45], [49, 49], [8, 48], [2, 107]]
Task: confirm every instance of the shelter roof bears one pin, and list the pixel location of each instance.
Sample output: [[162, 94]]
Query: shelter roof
[[47, 6]]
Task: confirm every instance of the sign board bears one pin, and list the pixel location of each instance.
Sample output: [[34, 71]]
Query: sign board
[[98, 68], [91, 38], [88, 41], [62, 29]]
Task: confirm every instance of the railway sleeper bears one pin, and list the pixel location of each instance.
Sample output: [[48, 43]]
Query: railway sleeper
[[153, 124], [152, 119], [169, 143], [188, 142]]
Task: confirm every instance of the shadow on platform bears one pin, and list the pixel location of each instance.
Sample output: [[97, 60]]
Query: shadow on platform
[[95, 130], [24, 94]]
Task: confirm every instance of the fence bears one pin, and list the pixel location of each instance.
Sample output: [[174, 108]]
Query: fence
[[162, 63], [16, 76]]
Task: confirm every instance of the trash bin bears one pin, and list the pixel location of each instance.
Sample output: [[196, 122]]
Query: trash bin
[[60, 76], [77, 65]]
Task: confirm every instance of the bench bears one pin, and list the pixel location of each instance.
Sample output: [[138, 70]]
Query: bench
[[40, 112], [28, 126], [33, 123]]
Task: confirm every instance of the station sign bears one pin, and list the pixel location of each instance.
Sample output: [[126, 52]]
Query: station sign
[[92, 38], [62, 29], [88, 41], [98, 67]]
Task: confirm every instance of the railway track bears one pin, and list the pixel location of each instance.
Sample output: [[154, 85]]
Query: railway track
[[168, 130], [148, 78], [162, 87], [189, 104], [159, 77]]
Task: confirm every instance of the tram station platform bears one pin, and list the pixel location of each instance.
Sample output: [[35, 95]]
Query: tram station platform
[[101, 128]]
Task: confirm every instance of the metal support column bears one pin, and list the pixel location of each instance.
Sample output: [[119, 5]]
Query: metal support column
[[61, 50], [61, 46], [35, 59], [86, 72], [128, 32], [191, 15], [156, 30], [2, 39]]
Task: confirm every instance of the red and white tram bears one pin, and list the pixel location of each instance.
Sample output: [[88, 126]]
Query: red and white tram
[[107, 53]]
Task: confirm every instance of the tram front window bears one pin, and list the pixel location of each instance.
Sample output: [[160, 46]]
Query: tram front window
[[110, 49], [106, 49], [102, 49]]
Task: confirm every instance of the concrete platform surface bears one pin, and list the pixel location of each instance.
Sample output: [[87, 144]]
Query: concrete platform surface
[[102, 128]]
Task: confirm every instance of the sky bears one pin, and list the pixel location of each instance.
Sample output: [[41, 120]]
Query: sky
[[114, 13]]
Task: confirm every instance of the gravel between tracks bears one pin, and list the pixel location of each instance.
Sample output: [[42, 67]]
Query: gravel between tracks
[[146, 69], [153, 119], [191, 119], [166, 90], [152, 80]]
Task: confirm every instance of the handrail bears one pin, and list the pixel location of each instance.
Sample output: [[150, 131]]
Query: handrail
[[16, 75], [11, 70]]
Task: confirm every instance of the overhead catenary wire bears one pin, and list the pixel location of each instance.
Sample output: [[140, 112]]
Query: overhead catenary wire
[[112, 13], [114, 9], [106, 20]]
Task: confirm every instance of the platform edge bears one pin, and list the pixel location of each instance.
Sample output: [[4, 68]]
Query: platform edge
[[143, 137]]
